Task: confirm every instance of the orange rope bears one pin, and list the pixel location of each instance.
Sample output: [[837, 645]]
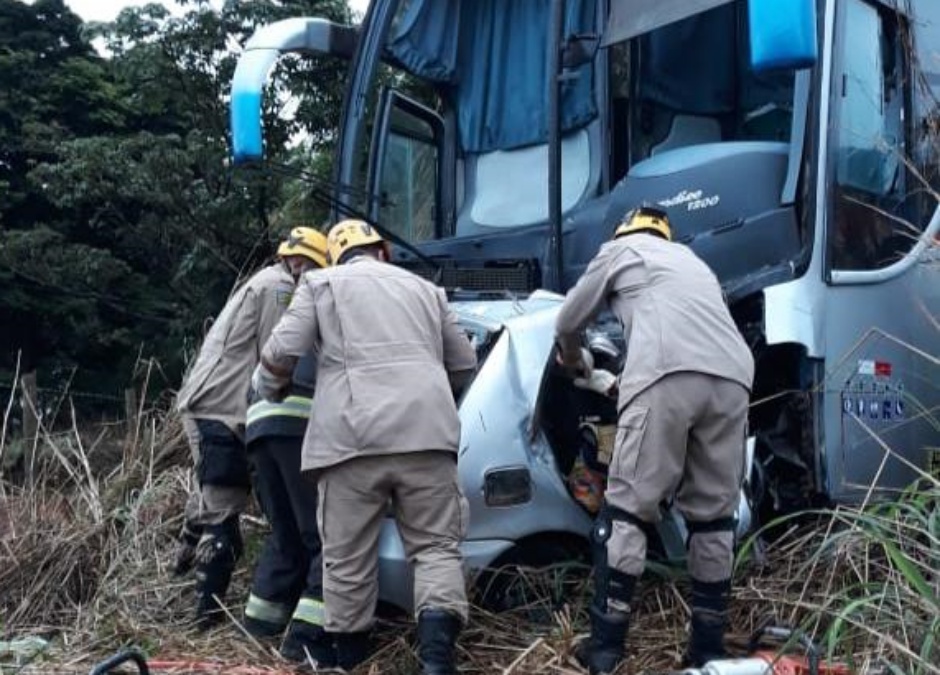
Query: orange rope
[[212, 668]]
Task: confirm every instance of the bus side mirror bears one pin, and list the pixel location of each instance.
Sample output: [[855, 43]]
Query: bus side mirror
[[304, 36], [782, 34]]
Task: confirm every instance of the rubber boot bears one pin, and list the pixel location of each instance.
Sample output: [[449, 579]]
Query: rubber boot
[[263, 618], [186, 549], [219, 549], [437, 641], [261, 629], [709, 622], [351, 649], [307, 642], [603, 651], [706, 639]]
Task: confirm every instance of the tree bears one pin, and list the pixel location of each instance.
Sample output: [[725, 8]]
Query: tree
[[122, 227], [56, 89]]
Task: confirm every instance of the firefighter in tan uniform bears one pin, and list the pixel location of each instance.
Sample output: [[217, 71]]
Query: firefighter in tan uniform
[[682, 401], [391, 360], [213, 401]]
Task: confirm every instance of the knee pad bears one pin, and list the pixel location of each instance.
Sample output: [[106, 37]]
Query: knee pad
[[727, 524], [609, 582], [221, 544], [600, 534]]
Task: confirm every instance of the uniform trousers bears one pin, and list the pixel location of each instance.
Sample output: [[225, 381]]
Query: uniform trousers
[[421, 491], [685, 436]]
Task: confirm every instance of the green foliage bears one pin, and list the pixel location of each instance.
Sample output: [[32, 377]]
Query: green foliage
[[122, 226]]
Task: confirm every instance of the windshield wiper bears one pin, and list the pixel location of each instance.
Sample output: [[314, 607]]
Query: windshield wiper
[[322, 191]]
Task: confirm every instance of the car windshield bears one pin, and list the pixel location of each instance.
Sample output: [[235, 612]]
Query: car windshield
[[483, 319], [481, 335]]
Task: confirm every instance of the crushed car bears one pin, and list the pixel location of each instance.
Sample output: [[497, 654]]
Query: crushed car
[[533, 450]]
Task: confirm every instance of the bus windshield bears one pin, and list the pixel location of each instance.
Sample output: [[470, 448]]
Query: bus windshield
[[480, 72], [690, 83]]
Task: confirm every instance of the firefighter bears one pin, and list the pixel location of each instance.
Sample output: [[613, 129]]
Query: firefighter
[[682, 412], [391, 361], [212, 403], [287, 583]]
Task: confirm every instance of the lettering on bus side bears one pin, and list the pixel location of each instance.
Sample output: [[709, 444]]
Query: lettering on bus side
[[694, 200], [873, 394]]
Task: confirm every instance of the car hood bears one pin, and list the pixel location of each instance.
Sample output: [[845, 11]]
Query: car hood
[[519, 332]]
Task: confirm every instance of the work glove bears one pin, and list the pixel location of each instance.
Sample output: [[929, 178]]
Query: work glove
[[268, 385], [600, 381], [581, 368], [585, 365]]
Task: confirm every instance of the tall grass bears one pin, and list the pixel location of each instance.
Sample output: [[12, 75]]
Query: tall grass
[[863, 583], [86, 547]]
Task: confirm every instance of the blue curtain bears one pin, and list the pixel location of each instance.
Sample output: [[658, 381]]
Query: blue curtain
[[494, 54], [701, 66], [690, 66], [424, 38]]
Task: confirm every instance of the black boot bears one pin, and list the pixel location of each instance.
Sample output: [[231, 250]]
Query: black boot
[[603, 651], [709, 622], [437, 641], [706, 641], [307, 642], [351, 649], [261, 629], [263, 618], [219, 549]]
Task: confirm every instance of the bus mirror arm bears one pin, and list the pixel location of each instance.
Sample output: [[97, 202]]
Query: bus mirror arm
[[306, 36], [322, 192]]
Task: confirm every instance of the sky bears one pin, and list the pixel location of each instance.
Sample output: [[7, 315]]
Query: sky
[[107, 10]]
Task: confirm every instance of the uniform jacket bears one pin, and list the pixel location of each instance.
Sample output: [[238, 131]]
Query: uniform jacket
[[670, 305], [217, 385], [385, 340]]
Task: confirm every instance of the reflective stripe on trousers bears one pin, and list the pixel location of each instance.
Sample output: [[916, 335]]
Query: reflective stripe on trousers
[[310, 611], [265, 610]]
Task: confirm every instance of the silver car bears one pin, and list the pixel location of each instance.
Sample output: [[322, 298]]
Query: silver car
[[521, 421]]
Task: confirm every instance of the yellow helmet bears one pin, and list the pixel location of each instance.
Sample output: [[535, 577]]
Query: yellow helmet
[[348, 234], [645, 218], [305, 241]]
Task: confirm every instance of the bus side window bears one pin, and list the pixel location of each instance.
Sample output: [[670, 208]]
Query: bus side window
[[871, 209], [409, 182]]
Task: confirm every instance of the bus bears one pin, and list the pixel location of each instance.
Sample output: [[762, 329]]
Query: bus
[[793, 144]]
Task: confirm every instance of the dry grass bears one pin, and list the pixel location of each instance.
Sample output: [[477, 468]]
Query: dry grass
[[85, 550]]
